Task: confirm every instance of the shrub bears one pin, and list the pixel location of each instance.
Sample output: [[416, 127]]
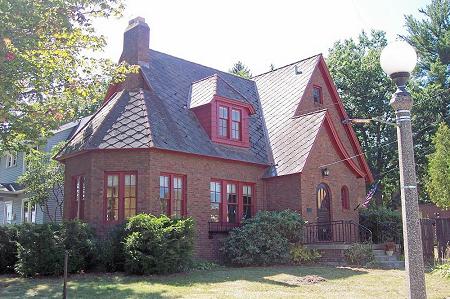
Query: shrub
[[155, 245], [385, 224], [264, 239], [110, 252], [41, 247], [8, 248], [302, 255], [359, 254], [442, 270]]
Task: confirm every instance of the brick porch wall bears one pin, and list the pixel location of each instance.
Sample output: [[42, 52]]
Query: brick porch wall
[[284, 193]]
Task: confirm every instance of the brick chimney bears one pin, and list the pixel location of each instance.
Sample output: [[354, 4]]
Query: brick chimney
[[136, 41]]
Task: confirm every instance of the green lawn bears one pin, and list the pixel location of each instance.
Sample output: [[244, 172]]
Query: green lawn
[[270, 282]]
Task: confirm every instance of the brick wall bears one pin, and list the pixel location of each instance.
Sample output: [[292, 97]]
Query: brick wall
[[283, 193], [323, 153], [149, 164]]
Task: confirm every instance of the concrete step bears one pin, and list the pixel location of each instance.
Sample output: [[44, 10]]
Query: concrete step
[[391, 264], [386, 258], [378, 252]]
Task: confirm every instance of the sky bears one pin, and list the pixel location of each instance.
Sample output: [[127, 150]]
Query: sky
[[258, 33]]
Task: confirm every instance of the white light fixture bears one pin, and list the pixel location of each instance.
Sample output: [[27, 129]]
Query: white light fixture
[[398, 60]]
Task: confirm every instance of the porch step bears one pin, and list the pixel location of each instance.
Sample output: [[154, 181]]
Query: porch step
[[386, 261]]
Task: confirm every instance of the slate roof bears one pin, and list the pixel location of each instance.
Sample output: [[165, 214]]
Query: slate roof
[[161, 117], [290, 138], [204, 90]]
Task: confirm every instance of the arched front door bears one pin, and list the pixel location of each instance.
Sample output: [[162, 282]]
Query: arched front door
[[324, 212]]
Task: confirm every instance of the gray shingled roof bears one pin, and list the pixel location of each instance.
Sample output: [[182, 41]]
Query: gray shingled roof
[[203, 91], [290, 138], [161, 118]]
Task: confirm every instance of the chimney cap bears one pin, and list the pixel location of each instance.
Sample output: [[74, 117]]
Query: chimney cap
[[137, 20]]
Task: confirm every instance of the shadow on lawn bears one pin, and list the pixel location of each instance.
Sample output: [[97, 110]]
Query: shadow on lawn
[[255, 274]]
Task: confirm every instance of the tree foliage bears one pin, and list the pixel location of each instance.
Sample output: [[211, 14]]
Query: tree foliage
[[48, 71], [430, 35], [438, 183], [365, 91], [44, 182], [241, 70]]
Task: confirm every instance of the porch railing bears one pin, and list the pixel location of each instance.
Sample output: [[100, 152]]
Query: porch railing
[[336, 232], [221, 227]]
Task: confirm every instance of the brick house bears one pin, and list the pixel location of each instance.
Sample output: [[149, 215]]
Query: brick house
[[183, 139]]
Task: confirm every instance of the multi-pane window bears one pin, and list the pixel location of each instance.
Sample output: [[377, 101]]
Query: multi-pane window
[[247, 201], [164, 193], [112, 197], [235, 124], [129, 195], [172, 194], [177, 196], [121, 195], [8, 215], [215, 198], [238, 201], [345, 198], [317, 94], [11, 160], [232, 203], [29, 212], [223, 121], [80, 193]]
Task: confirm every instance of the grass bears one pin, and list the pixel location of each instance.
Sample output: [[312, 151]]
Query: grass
[[268, 282]]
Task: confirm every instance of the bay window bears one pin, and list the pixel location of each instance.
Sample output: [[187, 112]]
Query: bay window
[[120, 195], [232, 203]]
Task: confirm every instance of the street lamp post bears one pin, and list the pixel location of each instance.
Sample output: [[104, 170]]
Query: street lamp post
[[398, 60]]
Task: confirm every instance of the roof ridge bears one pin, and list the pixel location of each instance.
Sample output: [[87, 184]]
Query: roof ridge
[[282, 67], [202, 65]]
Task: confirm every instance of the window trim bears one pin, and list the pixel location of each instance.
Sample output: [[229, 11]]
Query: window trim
[[79, 206], [5, 212], [239, 124], [11, 158], [319, 88], [121, 191], [245, 111], [228, 128], [26, 204], [223, 205], [170, 203], [345, 201]]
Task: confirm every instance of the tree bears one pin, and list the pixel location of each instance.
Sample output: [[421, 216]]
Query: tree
[[48, 72], [44, 181], [365, 92], [239, 69], [430, 35], [438, 183]]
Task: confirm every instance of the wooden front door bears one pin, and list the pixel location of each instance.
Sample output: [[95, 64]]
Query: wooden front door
[[324, 213]]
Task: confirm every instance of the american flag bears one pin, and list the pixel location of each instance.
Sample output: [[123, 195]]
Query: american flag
[[369, 195]]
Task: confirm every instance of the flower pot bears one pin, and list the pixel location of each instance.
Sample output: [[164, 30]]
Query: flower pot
[[389, 252]]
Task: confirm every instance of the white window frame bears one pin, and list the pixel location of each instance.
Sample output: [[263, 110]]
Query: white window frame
[[26, 204], [5, 213], [11, 160]]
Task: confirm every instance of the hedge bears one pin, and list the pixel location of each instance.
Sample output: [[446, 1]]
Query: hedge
[[264, 239]]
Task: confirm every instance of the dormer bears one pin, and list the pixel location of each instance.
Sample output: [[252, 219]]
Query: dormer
[[222, 111]]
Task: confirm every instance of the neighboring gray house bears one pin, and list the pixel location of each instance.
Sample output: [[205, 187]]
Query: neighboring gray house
[[14, 206]]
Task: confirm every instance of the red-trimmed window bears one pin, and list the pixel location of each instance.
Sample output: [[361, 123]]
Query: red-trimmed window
[[120, 195], [236, 124], [317, 94], [231, 201], [345, 198], [79, 187], [172, 195], [223, 122]]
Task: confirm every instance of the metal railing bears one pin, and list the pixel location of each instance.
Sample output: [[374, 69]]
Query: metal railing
[[336, 232], [221, 227]]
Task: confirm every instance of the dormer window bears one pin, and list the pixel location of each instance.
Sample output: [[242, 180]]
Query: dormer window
[[317, 95], [236, 124]]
